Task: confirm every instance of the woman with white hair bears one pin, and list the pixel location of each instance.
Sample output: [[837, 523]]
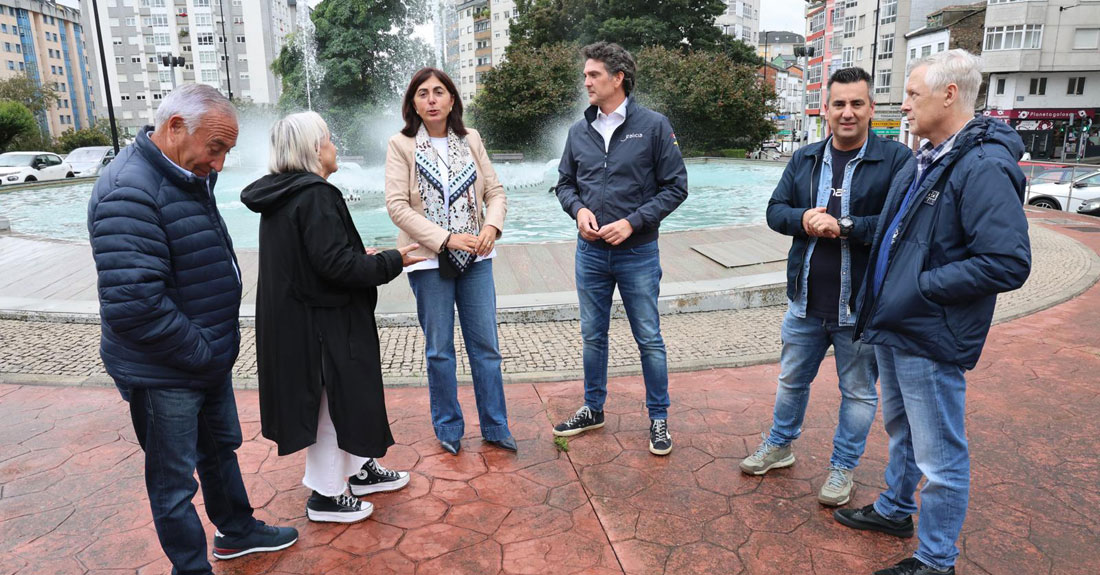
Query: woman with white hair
[[320, 374]]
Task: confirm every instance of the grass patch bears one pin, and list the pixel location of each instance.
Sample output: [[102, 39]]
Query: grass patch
[[562, 443]]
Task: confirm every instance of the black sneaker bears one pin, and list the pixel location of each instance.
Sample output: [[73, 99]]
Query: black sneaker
[[343, 508], [373, 478], [914, 566], [660, 440], [581, 421], [262, 539], [868, 519]]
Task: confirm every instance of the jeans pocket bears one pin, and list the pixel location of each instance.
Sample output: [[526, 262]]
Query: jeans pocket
[[645, 249]]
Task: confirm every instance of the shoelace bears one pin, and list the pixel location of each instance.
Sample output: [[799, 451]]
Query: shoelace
[[345, 500], [660, 429], [379, 470], [764, 449], [836, 478], [581, 415]]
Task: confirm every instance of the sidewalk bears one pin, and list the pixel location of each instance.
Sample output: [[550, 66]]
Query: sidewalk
[[72, 494]]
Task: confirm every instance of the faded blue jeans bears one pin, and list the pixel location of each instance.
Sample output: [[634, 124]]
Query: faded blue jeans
[[182, 430], [805, 341], [475, 296], [923, 406], [637, 272]]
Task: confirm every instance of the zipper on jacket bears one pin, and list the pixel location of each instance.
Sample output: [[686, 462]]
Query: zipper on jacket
[[802, 256]]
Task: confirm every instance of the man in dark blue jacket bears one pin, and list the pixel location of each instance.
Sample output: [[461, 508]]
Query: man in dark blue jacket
[[952, 236], [169, 293], [621, 173], [829, 199]]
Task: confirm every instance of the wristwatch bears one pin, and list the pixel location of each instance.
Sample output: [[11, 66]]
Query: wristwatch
[[846, 225]]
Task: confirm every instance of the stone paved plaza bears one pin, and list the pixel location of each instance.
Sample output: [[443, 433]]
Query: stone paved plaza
[[72, 497]]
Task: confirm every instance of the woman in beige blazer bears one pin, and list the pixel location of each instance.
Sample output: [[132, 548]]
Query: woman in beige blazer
[[442, 192]]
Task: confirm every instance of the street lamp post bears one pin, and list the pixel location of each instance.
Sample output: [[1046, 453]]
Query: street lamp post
[[106, 79], [172, 62]]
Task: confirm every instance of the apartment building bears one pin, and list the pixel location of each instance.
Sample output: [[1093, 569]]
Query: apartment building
[[227, 44], [1043, 59], [772, 44], [475, 37], [741, 20], [46, 42]]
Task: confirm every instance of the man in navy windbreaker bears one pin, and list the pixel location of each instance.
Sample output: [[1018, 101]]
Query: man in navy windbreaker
[[952, 236], [169, 294], [621, 173]]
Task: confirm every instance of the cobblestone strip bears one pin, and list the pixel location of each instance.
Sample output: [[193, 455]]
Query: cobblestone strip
[[68, 353]]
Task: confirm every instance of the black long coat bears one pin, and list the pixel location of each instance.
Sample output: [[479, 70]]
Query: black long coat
[[315, 328]]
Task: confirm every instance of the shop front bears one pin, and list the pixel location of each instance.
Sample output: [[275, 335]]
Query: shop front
[[1056, 134]]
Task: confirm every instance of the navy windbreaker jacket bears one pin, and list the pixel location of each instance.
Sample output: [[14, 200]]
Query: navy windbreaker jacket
[[641, 177], [169, 291], [962, 241], [797, 192]]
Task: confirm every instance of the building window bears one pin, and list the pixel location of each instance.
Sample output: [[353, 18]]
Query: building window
[[817, 22], [120, 59], [141, 96], [813, 100], [1038, 87], [1000, 86], [11, 65], [925, 51], [1029, 37], [1076, 86], [850, 27], [814, 74], [203, 20], [205, 39], [208, 57], [882, 82], [846, 61], [238, 19], [1086, 38], [240, 39], [889, 11], [243, 75], [912, 53], [940, 47], [886, 47], [859, 54], [124, 97], [209, 75]]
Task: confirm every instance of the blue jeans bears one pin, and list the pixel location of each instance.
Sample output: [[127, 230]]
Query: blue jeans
[[805, 341], [637, 272], [182, 430], [923, 406], [475, 296]]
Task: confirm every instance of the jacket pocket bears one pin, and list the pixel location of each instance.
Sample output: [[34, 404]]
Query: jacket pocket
[[902, 307]]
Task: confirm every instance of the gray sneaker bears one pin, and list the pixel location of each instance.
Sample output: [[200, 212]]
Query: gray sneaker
[[838, 487], [766, 458]]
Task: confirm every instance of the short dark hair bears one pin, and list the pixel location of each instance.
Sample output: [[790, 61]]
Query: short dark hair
[[616, 59], [408, 109], [850, 76]]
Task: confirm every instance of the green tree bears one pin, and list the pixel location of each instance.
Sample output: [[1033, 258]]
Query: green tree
[[630, 23], [99, 134], [15, 121], [711, 102], [530, 95], [739, 52], [24, 90]]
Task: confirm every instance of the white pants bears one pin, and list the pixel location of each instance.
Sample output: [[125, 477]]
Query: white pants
[[327, 466]]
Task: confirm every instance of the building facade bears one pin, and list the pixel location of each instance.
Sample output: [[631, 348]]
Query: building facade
[[46, 42], [741, 20], [227, 44], [1043, 59], [785, 77], [475, 37], [772, 44]]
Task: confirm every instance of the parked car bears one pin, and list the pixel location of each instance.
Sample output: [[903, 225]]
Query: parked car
[[1058, 175], [88, 161], [1090, 208], [1068, 196], [19, 167]]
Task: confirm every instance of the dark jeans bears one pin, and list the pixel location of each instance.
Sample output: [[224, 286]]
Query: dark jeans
[[182, 430]]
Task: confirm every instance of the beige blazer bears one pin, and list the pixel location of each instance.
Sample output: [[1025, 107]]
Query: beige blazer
[[406, 208]]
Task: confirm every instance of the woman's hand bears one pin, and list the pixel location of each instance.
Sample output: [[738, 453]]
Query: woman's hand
[[487, 240], [406, 259], [463, 242]]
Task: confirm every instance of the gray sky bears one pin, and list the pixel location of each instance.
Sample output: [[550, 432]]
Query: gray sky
[[783, 15]]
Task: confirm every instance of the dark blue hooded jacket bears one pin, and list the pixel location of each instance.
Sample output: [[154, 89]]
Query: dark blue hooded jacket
[[169, 291], [962, 240]]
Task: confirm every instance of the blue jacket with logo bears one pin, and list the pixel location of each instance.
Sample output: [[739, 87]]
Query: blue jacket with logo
[[873, 171], [169, 291], [962, 240], [641, 177]]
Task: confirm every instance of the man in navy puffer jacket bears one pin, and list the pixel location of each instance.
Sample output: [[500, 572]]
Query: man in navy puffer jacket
[[169, 293], [951, 237]]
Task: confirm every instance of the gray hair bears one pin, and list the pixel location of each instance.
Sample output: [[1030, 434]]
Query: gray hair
[[957, 67], [192, 102], [296, 143], [616, 59]]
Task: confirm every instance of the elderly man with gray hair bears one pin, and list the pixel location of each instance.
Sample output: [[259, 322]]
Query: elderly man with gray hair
[[169, 293], [951, 237]]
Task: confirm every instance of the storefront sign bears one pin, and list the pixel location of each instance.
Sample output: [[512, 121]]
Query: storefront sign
[[879, 124], [1034, 125], [1042, 114]]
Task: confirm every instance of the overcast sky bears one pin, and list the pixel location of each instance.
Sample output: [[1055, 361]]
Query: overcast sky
[[783, 16]]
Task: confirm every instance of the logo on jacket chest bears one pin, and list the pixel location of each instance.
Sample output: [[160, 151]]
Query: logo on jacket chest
[[931, 198], [631, 137]]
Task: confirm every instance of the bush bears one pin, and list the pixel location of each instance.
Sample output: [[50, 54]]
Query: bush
[[98, 134], [16, 122], [733, 153]]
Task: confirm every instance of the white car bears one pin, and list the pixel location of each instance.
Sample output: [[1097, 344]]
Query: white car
[[88, 161], [19, 167], [1066, 197]]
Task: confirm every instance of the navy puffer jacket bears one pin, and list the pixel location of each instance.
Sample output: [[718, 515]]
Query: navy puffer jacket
[[169, 290]]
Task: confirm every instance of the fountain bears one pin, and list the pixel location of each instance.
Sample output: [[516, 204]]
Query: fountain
[[307, 45]]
